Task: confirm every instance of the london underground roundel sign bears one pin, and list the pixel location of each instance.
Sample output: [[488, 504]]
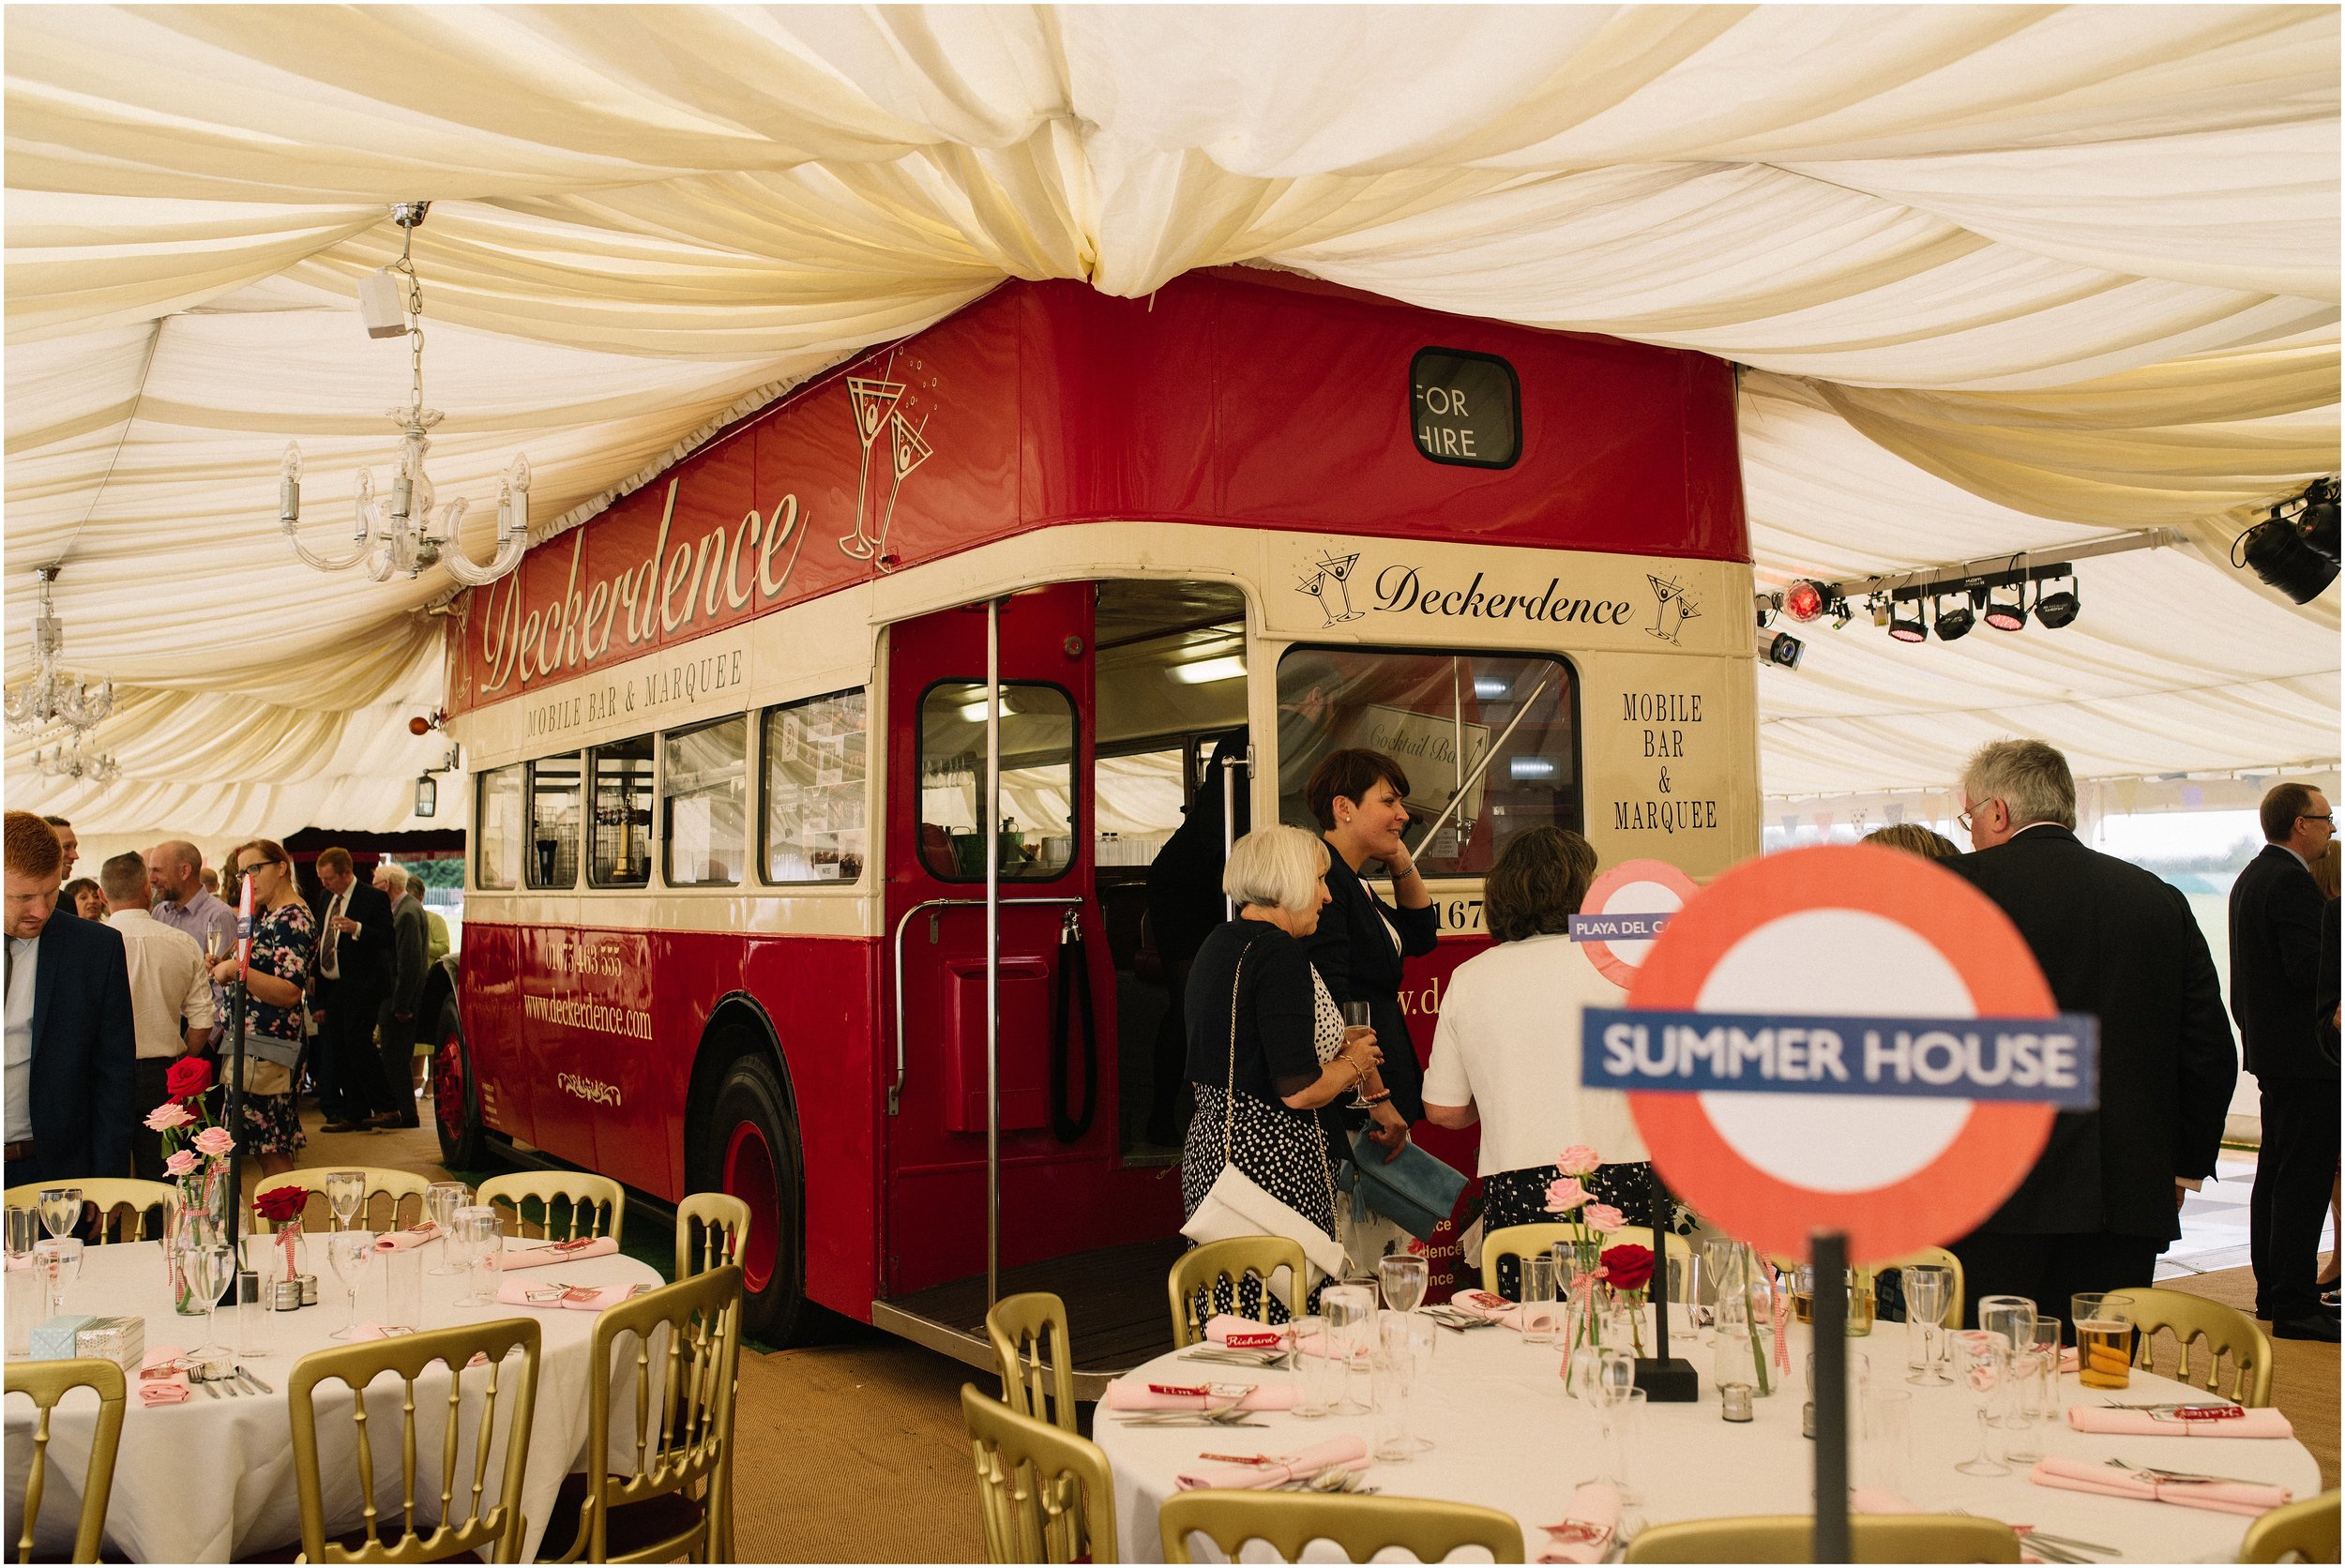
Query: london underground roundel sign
[[1624, 910], [1842, 1039]]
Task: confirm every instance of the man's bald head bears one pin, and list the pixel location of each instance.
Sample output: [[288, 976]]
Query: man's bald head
[[175, 867]]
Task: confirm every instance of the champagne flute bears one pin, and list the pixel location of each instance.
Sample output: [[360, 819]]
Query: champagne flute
[[1928, 1290], [208, 1266], [1349, 1311], [346, 1190], [1402, 1274], [215, 944], [1356, 1024], [60, 1209], [349, 1252], [441, 1200], [1980, 1360]]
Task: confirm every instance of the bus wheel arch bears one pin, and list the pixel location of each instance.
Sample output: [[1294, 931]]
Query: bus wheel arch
[[455, 1093], [741, 1129]]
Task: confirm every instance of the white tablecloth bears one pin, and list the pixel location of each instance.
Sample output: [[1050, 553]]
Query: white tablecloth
[[1506, 1436], [212, 1480]]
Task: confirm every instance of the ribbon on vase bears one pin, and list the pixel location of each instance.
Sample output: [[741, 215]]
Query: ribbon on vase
[[1779, 1302]]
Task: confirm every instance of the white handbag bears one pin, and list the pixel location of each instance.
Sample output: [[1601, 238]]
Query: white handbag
[[1236, 1204]]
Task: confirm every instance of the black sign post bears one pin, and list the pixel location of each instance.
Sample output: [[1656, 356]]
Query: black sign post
[[235, 1120], [1830, 1312], [1666, 1379]]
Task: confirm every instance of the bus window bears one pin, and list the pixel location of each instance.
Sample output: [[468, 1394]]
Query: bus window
[[1436, 715], [553, 821], [1137, 801], [815, 794], [622, 850], [1036, 817], [500, 819], [705, 804]]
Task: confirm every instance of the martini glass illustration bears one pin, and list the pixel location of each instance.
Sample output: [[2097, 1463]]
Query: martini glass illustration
[[1687, 611], [1316, 586], [1337, 569], [906, 451], [1665, 590], [873, 400]]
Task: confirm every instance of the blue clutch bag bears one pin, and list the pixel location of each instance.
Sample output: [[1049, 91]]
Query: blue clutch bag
[[1416, 1191]]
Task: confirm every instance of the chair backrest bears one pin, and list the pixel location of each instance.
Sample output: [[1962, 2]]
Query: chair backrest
[[687, 1439], [1045, 1494], [2305, 1531], [1518, 1241], [466, 1524], [1945, 1260], [122, 1203], [45, 1382], [712, 1228], [1790, 1538], [1361, 1527], [385, 1207], [1200, 1268], [1036, 1356], [563, 1205], [2204, 1332]]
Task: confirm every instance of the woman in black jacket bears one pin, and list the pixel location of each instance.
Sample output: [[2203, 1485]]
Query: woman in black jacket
[[1358, 797]]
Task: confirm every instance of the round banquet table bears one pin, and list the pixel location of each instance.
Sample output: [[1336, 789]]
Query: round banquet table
[[211, 1479], [1507, 1436]]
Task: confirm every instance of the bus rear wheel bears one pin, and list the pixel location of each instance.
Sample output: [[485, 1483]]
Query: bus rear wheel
[[455, 1097], [751, 1151]]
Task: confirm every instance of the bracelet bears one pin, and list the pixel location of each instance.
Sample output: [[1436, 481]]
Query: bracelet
[[1378, 1099]]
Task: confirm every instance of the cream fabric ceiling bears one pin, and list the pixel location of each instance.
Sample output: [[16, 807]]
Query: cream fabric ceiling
[[2003, 278]]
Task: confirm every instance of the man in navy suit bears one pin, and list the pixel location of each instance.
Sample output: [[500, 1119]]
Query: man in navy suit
[[73, 1041], [2275, 973]]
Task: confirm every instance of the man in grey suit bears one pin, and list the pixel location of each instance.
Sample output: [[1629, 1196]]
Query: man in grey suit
[[396, 1032]]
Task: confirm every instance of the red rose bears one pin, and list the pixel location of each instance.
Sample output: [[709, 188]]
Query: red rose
[[1627, 1267], [188, 1076], [280, 1204]]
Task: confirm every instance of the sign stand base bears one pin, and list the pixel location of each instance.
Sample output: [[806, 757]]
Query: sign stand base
[[1666, 1379]]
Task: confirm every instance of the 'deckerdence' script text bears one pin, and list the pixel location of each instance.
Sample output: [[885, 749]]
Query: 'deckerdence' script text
[[1401, 590], [726, 568]]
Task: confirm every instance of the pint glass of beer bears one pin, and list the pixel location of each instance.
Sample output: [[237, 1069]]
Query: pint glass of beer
[[2104, 1338]]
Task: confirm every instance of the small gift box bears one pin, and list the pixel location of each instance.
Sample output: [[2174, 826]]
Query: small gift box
[[54, 1339], [120, 1340]]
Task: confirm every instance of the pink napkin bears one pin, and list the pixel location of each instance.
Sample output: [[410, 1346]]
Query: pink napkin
[[1586, 1534], [160, 1382], [1482, 1303], [557, 1252], [1245, 1334], [2222, 1497], [1131, 1395], [2142, 1424], [579, 1298], [414, 1235], [1351, 1453]]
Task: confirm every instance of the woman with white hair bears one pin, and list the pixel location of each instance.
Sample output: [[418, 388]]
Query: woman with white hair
[[1267, 1047]]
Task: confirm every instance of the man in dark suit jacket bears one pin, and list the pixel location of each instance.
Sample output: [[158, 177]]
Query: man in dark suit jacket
[[2275, 969], [2114, 941], [352, 975], [72, 1039]]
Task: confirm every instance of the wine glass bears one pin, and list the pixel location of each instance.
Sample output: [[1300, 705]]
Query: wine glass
[[346, 1190], [207, 1267], [349, 1252], [1928, 1290], [441, 1200], [1402, 1276], [59, 1262], [1355, 1023], [60, 1209], [1980, 1362]]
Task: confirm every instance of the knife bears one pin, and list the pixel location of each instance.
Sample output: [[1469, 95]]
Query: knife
[[256, 1383]]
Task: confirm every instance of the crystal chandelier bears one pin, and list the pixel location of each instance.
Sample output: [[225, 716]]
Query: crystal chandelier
[[399, 535], [51, 695], [73, 759]]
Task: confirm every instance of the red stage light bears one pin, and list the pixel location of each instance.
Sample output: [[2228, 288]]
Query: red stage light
[[1804, 601]]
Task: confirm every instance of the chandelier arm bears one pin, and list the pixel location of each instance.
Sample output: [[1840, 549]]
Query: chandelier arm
[[459, 567], [325, 563]]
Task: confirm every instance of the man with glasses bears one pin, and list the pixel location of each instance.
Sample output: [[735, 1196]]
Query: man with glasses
[[2275, 911], [2104, 1198]]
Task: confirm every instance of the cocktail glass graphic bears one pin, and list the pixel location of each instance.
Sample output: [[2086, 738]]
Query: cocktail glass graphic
[[874, 401], [1337, 569], [1316, 586], [1687, 611], [906, 451], [1665, 592]]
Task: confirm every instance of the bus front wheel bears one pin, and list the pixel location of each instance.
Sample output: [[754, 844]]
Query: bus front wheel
[[753, 1146], [455, 1097]]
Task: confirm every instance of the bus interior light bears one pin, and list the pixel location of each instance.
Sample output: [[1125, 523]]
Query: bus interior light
[[1205, 670], [974, 713], [1491, 688], [1530, 767]]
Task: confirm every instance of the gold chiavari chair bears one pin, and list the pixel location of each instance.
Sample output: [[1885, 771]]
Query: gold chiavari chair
[[592, 1206], [124, 1203], [46, 1382], [458, 1526], [2200, 1328], [1792, 1537], [1042, 1491], [1518, 1241], [1200, 1268], [1036, 1357], [2302, 1531], [712, 1228], [650, 1513], [385, 1206], [1945, 1260], [1287, 1522]]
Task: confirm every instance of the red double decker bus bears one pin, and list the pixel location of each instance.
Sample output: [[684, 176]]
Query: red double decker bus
[[738, 842]]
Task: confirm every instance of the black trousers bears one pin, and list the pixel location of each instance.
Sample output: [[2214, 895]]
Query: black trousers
[[355, 1069], [2048, 1270], [2292, 1194], [147, 1076], [396, 1042]]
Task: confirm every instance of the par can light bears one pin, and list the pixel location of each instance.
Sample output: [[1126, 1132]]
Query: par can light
[[2276, 552], [1905, 622], [2007, 609], [1952, 624], [2056, 610]]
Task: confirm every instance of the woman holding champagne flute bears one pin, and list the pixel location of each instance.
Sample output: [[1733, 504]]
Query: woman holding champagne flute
[[283, 939]]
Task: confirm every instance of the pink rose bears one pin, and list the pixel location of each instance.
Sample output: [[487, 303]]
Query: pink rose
[[216, 1141], [1604, 1217], [181, 1163], [1577, 1160], [164, 1117], [1565, 1194]]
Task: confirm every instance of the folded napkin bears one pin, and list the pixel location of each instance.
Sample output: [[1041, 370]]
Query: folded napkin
[[1586, 1534], [2222, 1497], [1247, 1335], [1130, 1395], [1482, 1303], [161, 1380], [579, 1298], [540, 1255], [414, 1236], [1349, 1453], [2142, 1424]]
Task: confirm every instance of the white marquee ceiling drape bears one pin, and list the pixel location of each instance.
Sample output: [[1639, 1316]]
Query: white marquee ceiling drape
[[2003, 276]]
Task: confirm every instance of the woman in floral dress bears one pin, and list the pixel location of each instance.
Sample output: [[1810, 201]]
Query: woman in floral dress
[[285, 940]]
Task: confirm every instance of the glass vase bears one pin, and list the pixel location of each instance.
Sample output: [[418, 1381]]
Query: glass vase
[[200, 1217]]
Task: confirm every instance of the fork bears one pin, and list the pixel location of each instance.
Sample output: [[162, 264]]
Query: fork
[[2185, 1477]]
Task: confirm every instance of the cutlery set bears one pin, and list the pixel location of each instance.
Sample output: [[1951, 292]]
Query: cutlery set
[[230, 1385], [1227, 1356], [1217, 1415]]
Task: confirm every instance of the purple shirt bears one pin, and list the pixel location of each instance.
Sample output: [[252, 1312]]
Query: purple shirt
[[205, 912]]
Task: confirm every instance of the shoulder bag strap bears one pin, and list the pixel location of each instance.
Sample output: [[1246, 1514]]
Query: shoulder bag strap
[[1228, 1121]]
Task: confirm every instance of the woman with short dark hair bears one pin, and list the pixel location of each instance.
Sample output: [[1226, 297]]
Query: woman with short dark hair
[[1507, 1050], [1360, 799]]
